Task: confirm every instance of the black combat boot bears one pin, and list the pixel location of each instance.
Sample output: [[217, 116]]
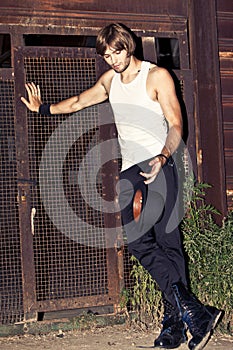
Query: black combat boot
[[173, 332], [200, 319]]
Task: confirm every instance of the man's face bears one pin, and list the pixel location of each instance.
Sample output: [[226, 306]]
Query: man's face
[[118, 60]]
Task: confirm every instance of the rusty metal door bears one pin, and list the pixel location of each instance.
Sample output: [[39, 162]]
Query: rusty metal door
[[69, 242], [69, 258]]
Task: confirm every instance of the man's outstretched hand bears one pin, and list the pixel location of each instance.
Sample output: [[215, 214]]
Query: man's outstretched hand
[[34, 97]]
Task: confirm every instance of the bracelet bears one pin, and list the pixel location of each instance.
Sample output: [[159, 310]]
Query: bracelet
[[44, 109], [162, 155]]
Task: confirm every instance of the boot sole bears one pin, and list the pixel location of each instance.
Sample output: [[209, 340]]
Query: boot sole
[[177, 345], [206, 338], [170, 346]]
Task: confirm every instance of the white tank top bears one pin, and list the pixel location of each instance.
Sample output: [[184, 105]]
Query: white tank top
[[141, 125]]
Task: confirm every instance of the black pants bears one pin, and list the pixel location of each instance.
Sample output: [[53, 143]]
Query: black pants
[[155, 239]]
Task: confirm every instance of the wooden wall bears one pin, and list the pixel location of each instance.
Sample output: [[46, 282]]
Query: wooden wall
[[225, 41]]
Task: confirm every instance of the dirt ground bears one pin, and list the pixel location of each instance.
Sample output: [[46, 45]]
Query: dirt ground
[[117, 337]]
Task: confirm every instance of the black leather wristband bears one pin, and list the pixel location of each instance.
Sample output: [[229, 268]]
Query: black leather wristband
[[44, 109], [162, 155]]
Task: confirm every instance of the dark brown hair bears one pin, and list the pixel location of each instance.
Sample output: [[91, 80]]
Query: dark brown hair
[[116, 35]]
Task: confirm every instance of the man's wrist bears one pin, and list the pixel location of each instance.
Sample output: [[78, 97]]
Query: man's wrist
[[165, 151], [44, 109], [161, 155]]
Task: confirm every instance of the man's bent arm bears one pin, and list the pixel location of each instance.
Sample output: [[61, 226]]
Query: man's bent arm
[[171, 108], [92, 96]]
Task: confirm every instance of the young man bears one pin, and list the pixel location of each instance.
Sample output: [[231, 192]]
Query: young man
[[149, 123]]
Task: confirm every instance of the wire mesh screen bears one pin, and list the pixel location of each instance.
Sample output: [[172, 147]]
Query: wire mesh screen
[[69, 239], [11, 303]]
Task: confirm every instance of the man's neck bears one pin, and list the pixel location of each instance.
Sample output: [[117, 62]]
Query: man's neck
[[132, 70]]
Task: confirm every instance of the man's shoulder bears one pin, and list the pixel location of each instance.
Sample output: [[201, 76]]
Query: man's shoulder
[[108, 75], [157, 72], [156, 69]]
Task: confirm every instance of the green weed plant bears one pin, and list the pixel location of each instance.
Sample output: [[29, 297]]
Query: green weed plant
[[145, 297], [210, 256]]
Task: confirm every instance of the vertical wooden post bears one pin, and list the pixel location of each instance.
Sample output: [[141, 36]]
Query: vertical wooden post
[[24, 191], [207, 93]]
